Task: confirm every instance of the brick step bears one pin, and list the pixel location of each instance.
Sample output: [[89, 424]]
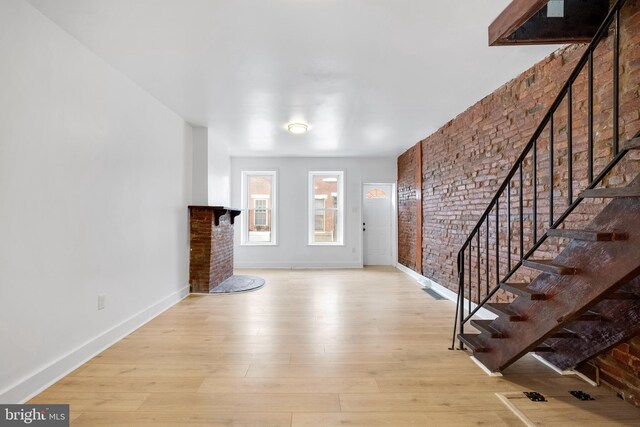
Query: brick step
[[611, 193], [549, 267], [587, 235], [522, 290], [473, 342], [502, 310], [632, 144], [485, 326]]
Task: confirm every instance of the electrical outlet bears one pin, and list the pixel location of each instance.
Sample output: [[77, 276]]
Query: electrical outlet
[[101, 301]]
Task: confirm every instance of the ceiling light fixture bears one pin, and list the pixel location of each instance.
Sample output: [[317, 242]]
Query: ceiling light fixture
[[297, 128]]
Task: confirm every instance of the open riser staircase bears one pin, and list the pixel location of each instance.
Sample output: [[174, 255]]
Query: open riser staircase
[[587, 298], [567, 291]]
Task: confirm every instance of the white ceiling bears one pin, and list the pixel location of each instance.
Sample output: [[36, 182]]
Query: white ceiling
[[371, 77]]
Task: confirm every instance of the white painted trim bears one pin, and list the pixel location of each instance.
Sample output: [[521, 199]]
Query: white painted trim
[[295, 265], [28, 387], [565, 372], [484, 368], [483, 313]]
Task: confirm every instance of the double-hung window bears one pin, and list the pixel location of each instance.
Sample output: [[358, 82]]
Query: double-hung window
[[259, 207], [326, 208]]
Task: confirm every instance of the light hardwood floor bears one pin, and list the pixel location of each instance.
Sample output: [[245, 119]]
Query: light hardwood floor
[[314, 348]]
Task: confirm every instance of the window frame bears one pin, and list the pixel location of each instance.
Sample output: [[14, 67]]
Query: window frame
[[339, 210], [248, 203]]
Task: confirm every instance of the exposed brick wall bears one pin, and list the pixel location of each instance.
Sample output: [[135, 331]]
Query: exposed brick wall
[[408, 206], [211, 249], [466, 160], [620, 369]]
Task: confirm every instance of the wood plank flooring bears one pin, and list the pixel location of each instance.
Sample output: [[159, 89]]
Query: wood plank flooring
[[313, 348]]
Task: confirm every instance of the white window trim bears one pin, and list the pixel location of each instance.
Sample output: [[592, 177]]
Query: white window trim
[[244, 240], [311, 209]]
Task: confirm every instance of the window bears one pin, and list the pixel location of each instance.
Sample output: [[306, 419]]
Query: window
[[376, 193], [259, 207], [326, 212], [260, 212]]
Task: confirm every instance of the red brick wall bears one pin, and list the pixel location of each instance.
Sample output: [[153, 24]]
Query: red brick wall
[[211, 249], [619, 368], [466, 160], [221, 263], [407, 207]]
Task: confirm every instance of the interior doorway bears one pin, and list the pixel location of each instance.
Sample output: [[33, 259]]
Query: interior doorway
[[378, 201]]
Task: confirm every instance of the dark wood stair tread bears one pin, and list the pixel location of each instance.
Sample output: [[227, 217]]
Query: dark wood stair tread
[[622, 296], [587, 235], [564, 333], [485, 326], [632, 144], [611, 192], [473, 342], [502, 309], [522, 290], [589, 316], [543, 349], [549, 267]]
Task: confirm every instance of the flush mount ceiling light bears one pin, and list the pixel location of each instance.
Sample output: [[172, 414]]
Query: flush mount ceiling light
[[297, 128]]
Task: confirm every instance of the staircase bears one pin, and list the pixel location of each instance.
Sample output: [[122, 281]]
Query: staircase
[[587, 298]]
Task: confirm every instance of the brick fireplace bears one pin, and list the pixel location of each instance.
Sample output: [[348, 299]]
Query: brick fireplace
[[211, 246]]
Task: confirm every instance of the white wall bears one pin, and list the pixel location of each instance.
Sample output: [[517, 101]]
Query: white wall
[[292, 250], [95, 176], [211, 170], [200, 166], [219, 164]]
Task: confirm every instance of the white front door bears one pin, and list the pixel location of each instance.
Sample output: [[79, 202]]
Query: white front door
[[377, 219]]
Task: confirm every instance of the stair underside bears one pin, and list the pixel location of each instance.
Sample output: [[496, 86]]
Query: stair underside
[[602, 267], [596, 338]]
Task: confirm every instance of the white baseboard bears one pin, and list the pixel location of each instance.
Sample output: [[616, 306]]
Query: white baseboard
[[483, 313], [36, 383], [295, 265]]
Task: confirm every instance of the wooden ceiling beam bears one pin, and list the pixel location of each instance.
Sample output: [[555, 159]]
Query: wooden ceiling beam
[[527, 22], [513, 17]]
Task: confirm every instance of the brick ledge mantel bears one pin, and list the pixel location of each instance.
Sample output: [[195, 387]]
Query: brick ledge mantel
[[218, 211]]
